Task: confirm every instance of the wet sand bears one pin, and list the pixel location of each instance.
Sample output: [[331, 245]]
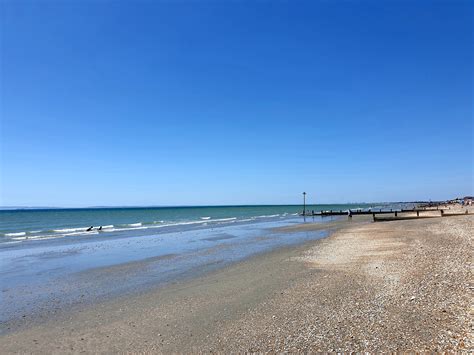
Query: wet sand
[[389, 286], [41, 278]]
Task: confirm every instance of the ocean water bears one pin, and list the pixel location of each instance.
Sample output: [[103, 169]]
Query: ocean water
[[28, 225]]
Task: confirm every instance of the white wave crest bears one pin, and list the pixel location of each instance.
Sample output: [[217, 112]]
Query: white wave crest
[[19, 234], [206, 218], [69, 230], [225, 219], [19, 238], [134, 225], [184, 223], [124, 229]]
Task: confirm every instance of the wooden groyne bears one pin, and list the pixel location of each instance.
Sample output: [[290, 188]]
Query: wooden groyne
[[403, 217], [368, 212], [398, 214], [400, 218]]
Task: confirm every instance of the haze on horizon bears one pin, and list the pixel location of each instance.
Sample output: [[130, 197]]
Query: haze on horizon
[[219, 103]]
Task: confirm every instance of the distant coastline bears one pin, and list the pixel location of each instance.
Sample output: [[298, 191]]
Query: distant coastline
[[383, 203]]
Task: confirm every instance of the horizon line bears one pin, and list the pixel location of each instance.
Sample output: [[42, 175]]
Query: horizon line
[[211, 205]]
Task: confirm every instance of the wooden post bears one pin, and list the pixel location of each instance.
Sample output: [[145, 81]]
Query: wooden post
[[418, 213], [396, 213], [373, 215]]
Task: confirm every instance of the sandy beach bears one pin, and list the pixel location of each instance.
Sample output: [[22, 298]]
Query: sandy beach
[[388, 286]]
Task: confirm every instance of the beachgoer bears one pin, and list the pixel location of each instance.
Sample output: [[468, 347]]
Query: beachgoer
[[89, 229], [100, 228]]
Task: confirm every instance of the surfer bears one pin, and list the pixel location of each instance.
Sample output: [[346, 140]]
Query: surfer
[[89, 229]]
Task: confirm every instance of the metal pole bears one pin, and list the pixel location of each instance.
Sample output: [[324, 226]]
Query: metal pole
[[304, 203]]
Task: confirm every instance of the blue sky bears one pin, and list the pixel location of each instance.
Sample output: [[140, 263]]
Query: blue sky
[[235, 102]]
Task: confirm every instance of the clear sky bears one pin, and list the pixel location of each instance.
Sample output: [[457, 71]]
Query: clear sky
[[235, 102]]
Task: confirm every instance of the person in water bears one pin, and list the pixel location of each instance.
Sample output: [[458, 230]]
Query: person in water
[[89, 229], [100, 228]]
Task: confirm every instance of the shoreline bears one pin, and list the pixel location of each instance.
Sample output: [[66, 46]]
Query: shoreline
[[339, 293], [111, 273], [41, 281]]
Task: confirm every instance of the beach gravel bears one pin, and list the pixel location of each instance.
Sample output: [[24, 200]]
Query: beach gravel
[[396, 286]]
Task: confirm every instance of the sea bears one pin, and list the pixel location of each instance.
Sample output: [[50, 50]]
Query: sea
[[21, 225]]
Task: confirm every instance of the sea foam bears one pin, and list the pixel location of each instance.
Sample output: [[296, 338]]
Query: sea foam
[[19, 234]]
